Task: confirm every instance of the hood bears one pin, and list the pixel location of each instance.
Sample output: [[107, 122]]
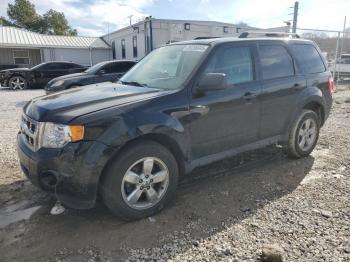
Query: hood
[[69, 77], [24, 69], [62, 107]]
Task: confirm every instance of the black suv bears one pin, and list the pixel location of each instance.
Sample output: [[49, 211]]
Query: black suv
[[184, 105], [37, 76]]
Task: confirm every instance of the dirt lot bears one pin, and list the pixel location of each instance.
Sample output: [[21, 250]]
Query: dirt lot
[[226, 211]]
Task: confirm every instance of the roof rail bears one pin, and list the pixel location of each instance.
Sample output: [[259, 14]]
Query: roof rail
[[205, 37], [267, 34]]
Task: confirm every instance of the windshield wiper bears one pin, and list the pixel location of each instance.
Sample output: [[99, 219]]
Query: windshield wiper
[[133, 83]]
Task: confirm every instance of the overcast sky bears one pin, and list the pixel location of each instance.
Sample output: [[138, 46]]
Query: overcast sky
[[91, 17]]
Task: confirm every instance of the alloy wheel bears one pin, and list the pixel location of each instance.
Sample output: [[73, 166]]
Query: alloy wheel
[[17, 83], [307, 134], [145, 183]]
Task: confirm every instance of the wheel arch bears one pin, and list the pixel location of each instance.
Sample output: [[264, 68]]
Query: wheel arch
[[159, 138], [17, 75], [317, 108]]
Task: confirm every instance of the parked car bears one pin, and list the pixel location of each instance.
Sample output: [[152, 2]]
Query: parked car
[[37, 76], [341, 67], [7, 66], [101, 72], [184, 105]]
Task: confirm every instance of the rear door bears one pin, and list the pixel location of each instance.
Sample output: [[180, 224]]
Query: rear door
[[74, 68], [53, 70], [280, 87], [225, 119], [313, 67]]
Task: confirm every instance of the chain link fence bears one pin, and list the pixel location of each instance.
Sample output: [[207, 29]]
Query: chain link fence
[[335, 46]]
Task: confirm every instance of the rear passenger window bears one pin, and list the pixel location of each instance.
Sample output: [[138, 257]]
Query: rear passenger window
[[235, 62], [275, 62], [308, 58], [53, 66]]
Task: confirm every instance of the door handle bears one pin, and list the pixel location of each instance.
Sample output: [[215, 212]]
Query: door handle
[[249, 95]]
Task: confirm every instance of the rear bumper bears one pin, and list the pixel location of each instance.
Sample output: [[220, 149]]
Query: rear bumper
[[70, 174]]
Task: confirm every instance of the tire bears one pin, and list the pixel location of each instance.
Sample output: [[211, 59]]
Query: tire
[[116, 190], [299, 136], [17, 83]]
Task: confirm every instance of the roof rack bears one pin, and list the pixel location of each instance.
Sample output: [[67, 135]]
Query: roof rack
[[267, 34], [205, 37]]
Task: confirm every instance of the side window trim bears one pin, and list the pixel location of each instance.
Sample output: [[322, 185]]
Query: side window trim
[[301, 70], [295, 67], [107, 68]]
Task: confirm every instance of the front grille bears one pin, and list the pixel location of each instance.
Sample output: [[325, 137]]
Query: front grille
[[30, 130]]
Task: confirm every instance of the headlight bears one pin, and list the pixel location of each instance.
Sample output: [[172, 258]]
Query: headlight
[[57, 135], [58, 83]]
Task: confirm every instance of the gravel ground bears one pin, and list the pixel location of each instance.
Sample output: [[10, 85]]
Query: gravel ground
[[10, 112], [239, 209]]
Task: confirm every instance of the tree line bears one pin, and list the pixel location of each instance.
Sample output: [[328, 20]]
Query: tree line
[[23, 14]]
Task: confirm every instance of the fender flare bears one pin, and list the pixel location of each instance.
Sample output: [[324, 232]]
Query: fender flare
[[309, 96]]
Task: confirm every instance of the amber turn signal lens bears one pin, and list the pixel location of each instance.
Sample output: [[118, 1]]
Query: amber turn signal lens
[[76, 132]]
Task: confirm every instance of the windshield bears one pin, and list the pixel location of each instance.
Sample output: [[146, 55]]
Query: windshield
[[166, 67], [94, 68]]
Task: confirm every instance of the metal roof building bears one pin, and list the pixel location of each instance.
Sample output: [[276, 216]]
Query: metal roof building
[[24, 48]]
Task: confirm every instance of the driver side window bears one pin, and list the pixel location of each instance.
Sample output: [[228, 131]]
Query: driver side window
[[235, 62]]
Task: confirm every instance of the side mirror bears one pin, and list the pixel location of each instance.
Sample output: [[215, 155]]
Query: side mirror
[[212, 82]]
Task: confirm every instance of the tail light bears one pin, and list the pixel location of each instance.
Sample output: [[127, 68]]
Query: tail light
[[331, 86]]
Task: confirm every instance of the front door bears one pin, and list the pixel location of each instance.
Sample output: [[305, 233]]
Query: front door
[[109, 73], [227, 119]]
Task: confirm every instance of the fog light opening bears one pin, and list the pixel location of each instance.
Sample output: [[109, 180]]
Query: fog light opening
[[49, 179]]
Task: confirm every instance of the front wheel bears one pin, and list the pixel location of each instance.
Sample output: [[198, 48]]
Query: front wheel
[[141, 180], [18, 83], [303, 135]]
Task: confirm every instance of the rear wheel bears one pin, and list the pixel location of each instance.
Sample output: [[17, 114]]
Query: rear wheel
[[303, 135], [18, 83], [140, 181]]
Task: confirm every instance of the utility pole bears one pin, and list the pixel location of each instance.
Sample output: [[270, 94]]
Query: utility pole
[[130, 16], [295, 17], [342, 42]]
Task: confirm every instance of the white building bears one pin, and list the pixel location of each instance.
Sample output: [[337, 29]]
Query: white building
[[24, 48], [20, 47], [135, 41]]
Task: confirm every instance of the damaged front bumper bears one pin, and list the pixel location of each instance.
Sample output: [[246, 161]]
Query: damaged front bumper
[[70, 173]]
